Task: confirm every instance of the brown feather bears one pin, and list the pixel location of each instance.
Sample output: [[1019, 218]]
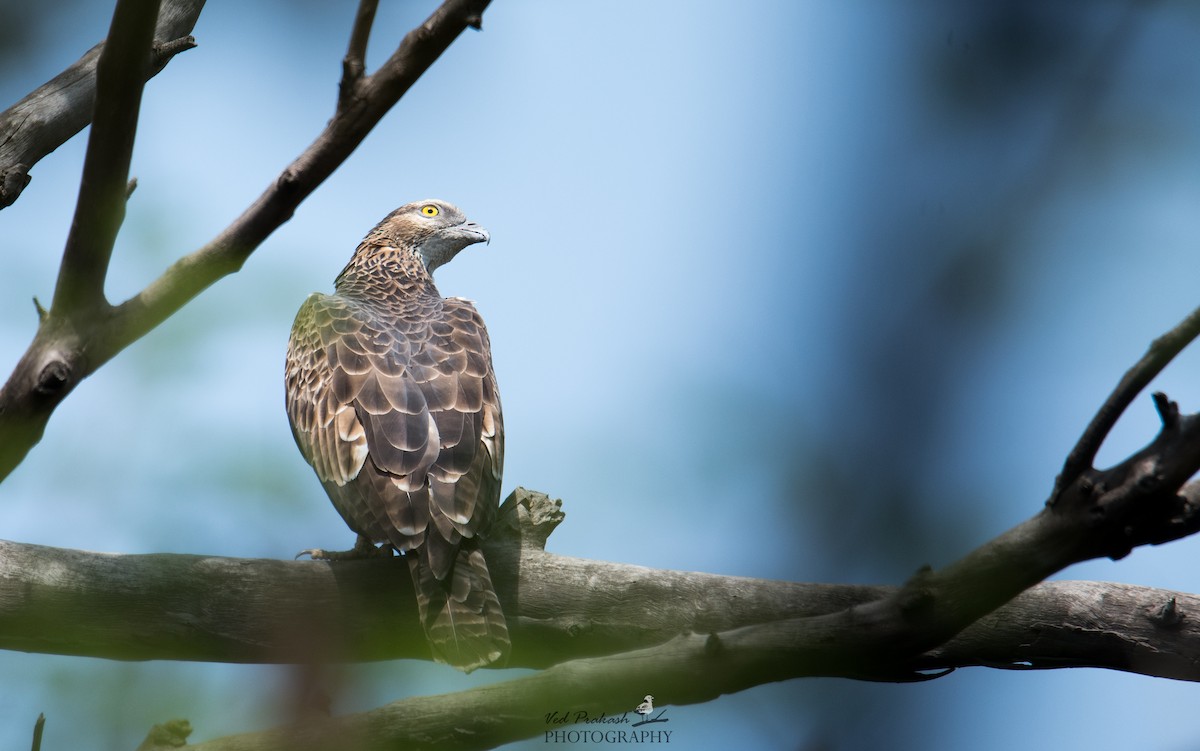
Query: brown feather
[[392, 399]]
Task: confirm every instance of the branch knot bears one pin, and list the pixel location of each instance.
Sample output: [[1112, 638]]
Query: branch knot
[[53, 378], [12, 181], [1167, 615]]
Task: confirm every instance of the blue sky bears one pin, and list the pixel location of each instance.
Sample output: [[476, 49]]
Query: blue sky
[[813, 291]]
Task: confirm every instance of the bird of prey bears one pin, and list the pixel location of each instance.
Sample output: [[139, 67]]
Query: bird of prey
[[393, 401]]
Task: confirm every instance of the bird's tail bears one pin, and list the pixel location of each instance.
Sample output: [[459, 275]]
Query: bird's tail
[[460, 614]]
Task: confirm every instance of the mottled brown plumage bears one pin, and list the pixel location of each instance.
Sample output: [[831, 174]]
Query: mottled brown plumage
[[392, 399]]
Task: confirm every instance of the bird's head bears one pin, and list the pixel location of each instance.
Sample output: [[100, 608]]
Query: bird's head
[[435, 230]]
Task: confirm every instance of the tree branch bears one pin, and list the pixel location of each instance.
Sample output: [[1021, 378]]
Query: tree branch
[[1161, 351], [1056, 624], [1060, 624], [689, 669], [121, 75], [375, 95], [64, 352], [38, 728], [60, 108], [354, 65], [1091, 618], [186, 607], [1103, 513], [612, 632]]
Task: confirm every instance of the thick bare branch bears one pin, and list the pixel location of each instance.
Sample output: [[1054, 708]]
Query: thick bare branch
[[188, 607], [65, 351], [60, 108], [559, 608], [1060, 624]]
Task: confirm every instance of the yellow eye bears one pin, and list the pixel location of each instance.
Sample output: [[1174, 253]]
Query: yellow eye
[[430, 210]]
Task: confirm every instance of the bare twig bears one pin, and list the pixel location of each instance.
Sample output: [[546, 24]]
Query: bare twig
[[38, 727], [64, 352], [164, 51], [355, 63], [1162, 350], [57, 110]]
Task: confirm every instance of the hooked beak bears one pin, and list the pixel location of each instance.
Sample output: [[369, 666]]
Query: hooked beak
[[475, 230]]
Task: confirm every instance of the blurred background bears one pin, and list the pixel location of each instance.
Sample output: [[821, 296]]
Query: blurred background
[[816, 291]]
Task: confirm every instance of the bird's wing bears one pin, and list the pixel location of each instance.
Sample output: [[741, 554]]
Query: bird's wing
[[327, 430], [454, 372], [417, 395]]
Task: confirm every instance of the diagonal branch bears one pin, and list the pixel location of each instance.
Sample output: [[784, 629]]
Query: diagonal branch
[[1103, 514], [689, 669], [121, 75], [60, 108], [64, 352]]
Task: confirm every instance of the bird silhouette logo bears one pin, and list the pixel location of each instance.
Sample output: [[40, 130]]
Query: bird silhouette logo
[[645, 709]]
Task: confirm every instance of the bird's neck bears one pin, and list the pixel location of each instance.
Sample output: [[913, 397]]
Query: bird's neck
[[384, 274]]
